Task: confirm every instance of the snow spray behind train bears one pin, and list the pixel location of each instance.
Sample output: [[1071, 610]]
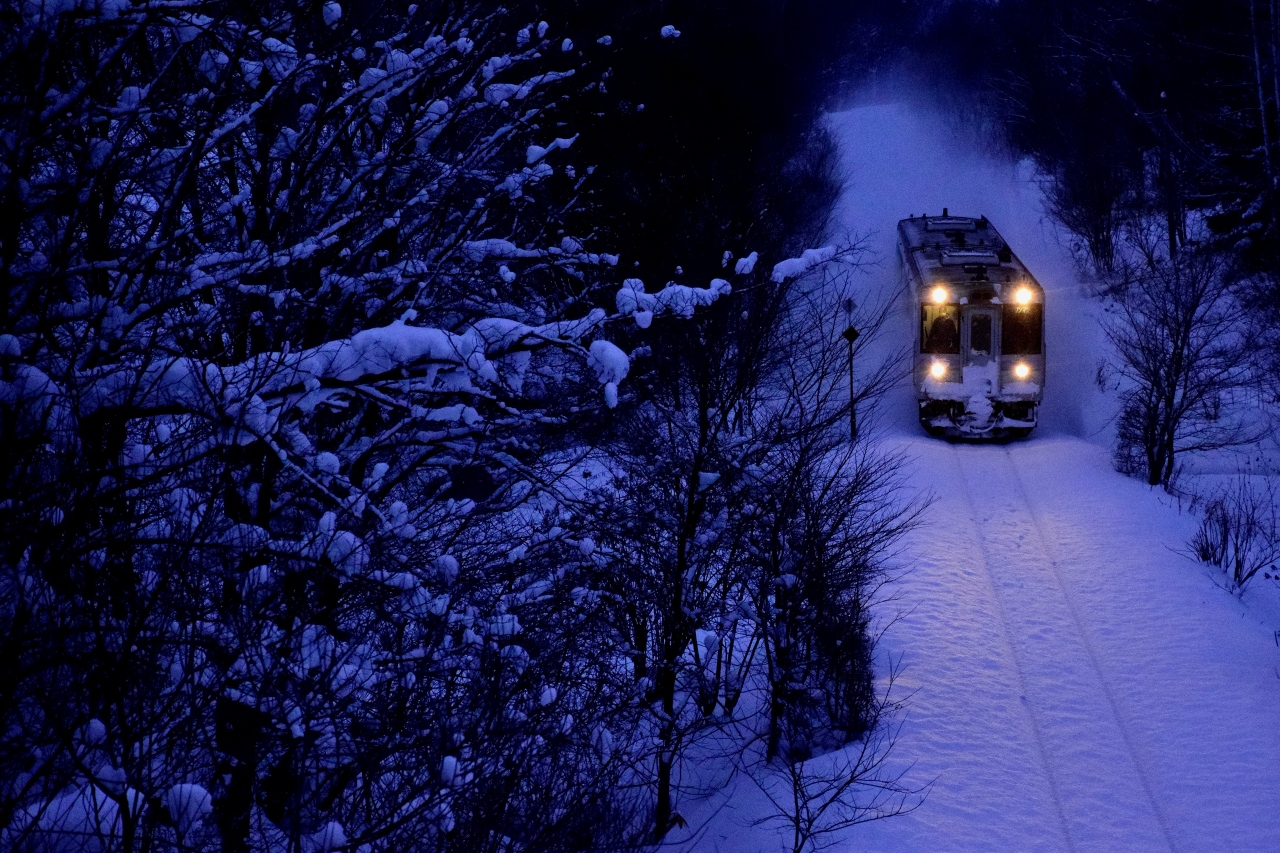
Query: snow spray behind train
[[979, 343]]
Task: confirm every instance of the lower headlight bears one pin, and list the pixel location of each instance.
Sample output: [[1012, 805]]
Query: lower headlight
[[1022, 371]]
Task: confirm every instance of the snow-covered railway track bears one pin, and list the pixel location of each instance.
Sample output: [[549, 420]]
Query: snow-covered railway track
[[1100, 786], [1052, 553], [1016, 655]]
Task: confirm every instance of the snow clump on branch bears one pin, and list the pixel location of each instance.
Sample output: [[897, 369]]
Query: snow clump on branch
[[187, 805], [611, 365], [810, 258], [678, 299]]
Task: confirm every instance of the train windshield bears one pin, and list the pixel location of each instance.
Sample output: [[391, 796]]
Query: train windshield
[[940, 332], [1021, 329]]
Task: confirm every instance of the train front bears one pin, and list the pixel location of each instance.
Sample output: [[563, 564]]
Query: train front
[[980, 364]]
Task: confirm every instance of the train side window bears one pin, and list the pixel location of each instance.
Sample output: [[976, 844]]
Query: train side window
[[940, 329], [1022, 329]]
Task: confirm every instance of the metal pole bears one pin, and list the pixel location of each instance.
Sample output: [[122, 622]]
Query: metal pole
[[851, 334], [853, 411]]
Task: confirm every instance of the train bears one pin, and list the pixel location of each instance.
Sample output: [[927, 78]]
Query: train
[[979, 363]]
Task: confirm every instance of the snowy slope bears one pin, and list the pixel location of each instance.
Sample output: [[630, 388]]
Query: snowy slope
[[1076, 683], [1078, 686]]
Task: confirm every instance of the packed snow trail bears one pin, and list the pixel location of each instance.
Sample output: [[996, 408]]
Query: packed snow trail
[[1074, 682], [1062, 687]]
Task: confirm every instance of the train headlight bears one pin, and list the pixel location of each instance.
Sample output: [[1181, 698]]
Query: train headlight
[[1022, 370], [939, 295], [938, 369], [1022, 296]]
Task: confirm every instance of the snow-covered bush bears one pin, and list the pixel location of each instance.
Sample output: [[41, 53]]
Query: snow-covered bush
[[1181, 362], [292, 336], [311, 326], [749, 533], [1240, 529]]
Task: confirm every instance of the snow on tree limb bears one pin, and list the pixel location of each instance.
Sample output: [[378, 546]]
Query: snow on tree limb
[[678, 299], [794, 267], [188, 384], [537, 152]]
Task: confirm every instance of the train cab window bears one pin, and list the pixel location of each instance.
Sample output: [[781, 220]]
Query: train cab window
[[940, 329], [980, 334], [1022, 329]]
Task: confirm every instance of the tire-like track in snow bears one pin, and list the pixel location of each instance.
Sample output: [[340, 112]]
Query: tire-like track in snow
[[1051, 551], [1099, 786], [1015, 655]]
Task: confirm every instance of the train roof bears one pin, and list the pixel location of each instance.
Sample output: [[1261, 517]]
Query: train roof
[[963, 252]]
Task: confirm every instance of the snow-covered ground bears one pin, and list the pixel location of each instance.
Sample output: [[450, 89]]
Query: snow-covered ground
[[1076, 682]]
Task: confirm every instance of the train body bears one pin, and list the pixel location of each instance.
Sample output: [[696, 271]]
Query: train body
[[979, 361]]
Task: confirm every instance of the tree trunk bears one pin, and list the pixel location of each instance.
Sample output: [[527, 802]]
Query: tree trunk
[[662, 811], [1272, 188], [1268, 158], [1166, 476], [776, 709], [665, 688], [639, 641], [232, 810], [1168, 177], [1155, 464]]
